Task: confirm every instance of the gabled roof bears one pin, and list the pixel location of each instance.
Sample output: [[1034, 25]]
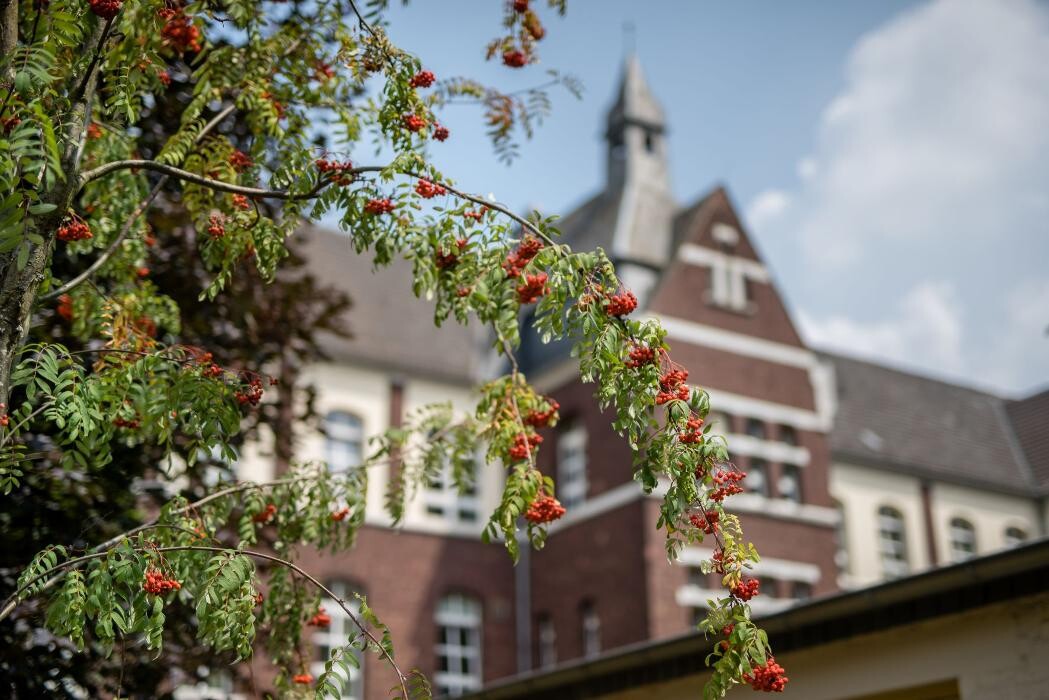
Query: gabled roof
[[390, 327], [1030, 419], [893, 419]]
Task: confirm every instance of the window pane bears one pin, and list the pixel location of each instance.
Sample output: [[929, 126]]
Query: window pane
[[789, 485], [345, 440], [757, 477], [1014, 536], [756, 428], [963, 539], [892, 542], [788, 435]]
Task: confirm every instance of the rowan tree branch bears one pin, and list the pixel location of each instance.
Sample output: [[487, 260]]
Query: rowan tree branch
[[59, 569], [126, 228]]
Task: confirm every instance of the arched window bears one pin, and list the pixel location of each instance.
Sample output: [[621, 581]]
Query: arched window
[[789, 485], [345, 444], [1014, 536], [458, 649], [892, 542], [547, 638], [336, 636], [591, 629], [841, 549], [963, 539]]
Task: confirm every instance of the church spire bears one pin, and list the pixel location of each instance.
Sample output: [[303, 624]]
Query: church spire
[[639, 176]]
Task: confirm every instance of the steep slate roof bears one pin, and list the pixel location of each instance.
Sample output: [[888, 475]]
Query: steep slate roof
[[922, 426], [390, 327], [1030, 419]]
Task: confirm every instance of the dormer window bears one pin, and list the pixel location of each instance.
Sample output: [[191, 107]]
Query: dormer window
[[728, 282]]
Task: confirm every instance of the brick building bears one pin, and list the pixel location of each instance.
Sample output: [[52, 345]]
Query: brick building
[[849, 478]]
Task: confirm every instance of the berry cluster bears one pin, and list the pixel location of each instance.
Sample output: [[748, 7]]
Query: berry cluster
[[672, 386], [620, 304], [441, 133], [251, 394], [339, 515], [74, 230], [5, 420], [378, 206], [413, 122], [8, 124], [726, 631], [640, 355], [541, 419], [746, 589], [302, 679], [106, 9], [266, 514], [422, 79], [429, 190], [212, 371], [65, 307], [523, 446], [768, 677], [320, 619], [164, 77], [240, 161], [475, 215], [520, 6], [515, 58], [693, 432], [463, 292], [445, 261], [216, 227], [340, 171], [532, 288], [94, 131], [129, 423], [519, 259], [157, 583], [323, 71], [178, 31], [728, 484], [241, 202], [707, 521], [544, 509]]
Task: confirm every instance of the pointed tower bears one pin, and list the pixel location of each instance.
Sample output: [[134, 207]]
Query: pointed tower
[[638, 179]]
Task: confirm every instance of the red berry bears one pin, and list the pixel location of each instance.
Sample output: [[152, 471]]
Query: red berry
[[302, 679], [532, 288], [441, 133], [520, 6], [768, 677], [240, 161], [378, 206], [422, 79], [413, 122], [544, 509], [515, 58], [620, 304], [428, 190], [106, 9], [73, 230]]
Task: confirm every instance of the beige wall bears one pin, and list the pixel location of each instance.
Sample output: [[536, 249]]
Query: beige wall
[[995, 652], [366, 393], [989, 513], [861, 492]]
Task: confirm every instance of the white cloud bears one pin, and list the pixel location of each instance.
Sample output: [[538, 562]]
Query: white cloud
[[766, 207], [932, 163], [942, 107], [923, 329]]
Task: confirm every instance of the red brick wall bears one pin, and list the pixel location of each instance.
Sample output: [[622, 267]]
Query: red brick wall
[[403, 575], [748, 376], [600, 560]]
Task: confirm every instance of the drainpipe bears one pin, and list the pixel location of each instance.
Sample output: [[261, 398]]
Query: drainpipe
[[523, 605]]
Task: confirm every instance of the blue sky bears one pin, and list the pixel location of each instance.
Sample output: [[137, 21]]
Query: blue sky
[[891, 159]]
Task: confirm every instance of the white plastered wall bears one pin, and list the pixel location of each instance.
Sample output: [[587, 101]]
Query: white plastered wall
[[861, 492], [990, 514]]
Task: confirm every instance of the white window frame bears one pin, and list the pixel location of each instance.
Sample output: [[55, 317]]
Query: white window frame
[[337, 635], [1015, 536], [786, 472], [547, 637], [458, 615], [344, 440], [962, 539], [591, 629], [892, 542], [441, 498], [572, 465]]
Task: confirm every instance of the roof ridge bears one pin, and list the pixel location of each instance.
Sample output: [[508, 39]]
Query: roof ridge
[[890, 366]]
